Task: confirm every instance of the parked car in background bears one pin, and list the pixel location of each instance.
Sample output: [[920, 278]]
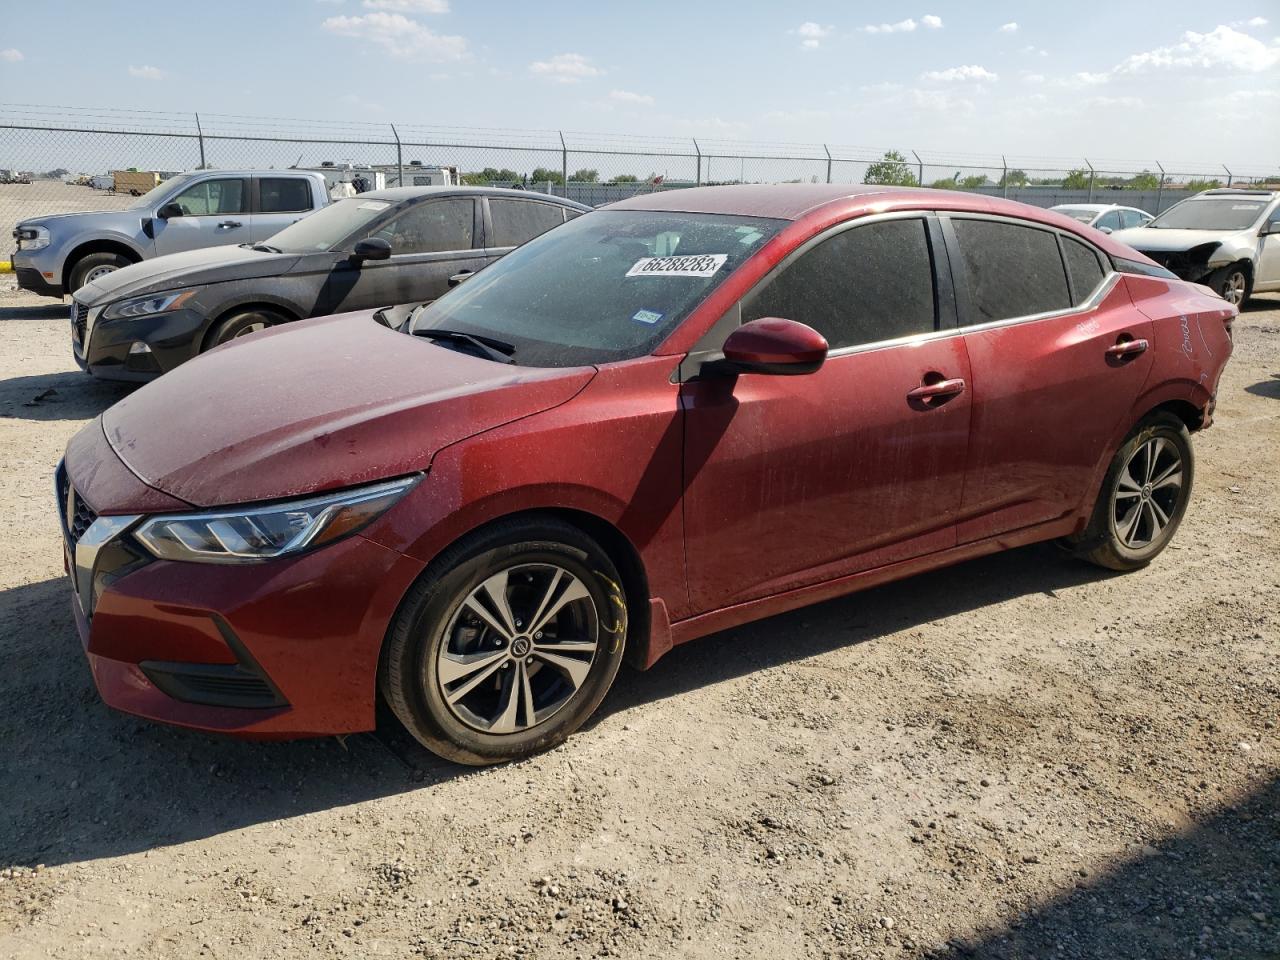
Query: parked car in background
[[1227, 239], [481, 506], [385, 247], [60, 253], [1107, 217]]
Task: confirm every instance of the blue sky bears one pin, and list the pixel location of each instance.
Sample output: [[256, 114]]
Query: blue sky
[[1178, 80]]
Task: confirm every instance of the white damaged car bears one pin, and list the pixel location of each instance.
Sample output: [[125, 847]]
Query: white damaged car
[[1227, 239]]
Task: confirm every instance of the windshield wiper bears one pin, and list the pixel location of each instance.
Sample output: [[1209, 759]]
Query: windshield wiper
[[499, 351], [267, 248]]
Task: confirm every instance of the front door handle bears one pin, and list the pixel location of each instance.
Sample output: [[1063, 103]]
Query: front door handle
[[229, 224], [935, 394], [1126, 349]]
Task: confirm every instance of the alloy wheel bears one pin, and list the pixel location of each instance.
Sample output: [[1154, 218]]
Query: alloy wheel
[[518, 648], [1147, 493], [248, 329], [1233, 287]]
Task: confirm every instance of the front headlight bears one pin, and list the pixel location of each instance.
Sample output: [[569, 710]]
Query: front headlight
[[146, 306], [33, 238], [244, 535]]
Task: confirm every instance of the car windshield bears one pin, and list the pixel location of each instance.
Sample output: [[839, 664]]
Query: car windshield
[[607, 286], [152, 196], [1211, 213], [1077, 213], [327, 227]]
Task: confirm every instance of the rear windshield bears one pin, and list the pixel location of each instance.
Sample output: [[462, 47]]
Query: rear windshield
[[1077, 213], [1212, 213], [607, 286]]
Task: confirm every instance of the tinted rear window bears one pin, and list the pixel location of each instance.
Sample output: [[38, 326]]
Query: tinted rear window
[[284, 195], [1011, 270], [517, 221], [1083, 267], [866, 284]]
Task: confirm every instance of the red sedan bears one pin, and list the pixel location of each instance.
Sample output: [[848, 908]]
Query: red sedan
[[689, 410]]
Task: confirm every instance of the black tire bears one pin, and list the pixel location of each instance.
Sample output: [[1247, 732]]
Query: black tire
[[1232, 283], [242, 324], [436, 624], [1110, 540], [95, 263]]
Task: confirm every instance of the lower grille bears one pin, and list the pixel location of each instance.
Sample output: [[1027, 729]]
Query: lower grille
[[79, 320], [214, 685], [77, 516]]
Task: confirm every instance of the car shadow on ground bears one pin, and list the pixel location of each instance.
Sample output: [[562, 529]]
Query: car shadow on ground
[[70, 395], [47, 311], [1211, 891], [86, 782], [1266, 388]]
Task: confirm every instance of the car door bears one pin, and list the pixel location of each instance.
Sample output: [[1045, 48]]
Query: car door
[[1108, 222], [1268, 270], [280, 201], [431, 241], [215, 211], [510, 223], [794, 480], [1046, 323]]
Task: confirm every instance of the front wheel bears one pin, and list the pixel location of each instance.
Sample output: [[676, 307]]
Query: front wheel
[[94, 266], [1232, 284], [508, 645], [241, 325], [1143, 497]]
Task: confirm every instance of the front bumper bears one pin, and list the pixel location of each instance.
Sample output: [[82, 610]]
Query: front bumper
[[138, 349], [30, 267], [278, 649], [1182, 264]]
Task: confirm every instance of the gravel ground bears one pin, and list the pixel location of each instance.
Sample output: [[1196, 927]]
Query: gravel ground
[[1018, 757], [46, 197]]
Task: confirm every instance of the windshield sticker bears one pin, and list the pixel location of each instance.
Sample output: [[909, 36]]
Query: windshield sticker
[[646, 316], [1246, 206], [702, 265], [374, 205]]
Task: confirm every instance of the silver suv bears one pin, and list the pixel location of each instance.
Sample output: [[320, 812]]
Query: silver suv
[[1226, 239], [59, 254]]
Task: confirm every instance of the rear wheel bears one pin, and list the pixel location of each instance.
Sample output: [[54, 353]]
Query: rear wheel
[[93, 266], [1143, 497], [241, 325], [1232, 284], [509, 645]]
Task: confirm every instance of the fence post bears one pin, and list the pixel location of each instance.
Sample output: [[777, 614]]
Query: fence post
[[1229, 174], [698, 150], [1160, 188], [564, 165], [399, 157], [1091, 175], [919, 168], [828, 152], [200, 137]]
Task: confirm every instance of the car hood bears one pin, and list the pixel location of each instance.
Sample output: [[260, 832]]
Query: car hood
[[1169, 241], [80, 218], [178, 270], [318, 405]]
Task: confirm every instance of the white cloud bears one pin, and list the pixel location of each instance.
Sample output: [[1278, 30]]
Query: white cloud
[[1009, 27], [408, 6], [954, 74], [931, 22], [811, 34], [565, 68], [902, 26], [1221, 47], [147, 73], [1035, 51], [942, 101], [399, 36], [1086, 79], [12, 55], [1104, 102], [1251, 24], [1033, 77], [626, 96]]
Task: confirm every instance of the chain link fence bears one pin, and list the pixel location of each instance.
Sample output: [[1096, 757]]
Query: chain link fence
[[62, 159]]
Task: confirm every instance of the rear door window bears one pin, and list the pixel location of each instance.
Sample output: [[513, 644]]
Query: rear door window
[[1109, 221], [1131, 218], [518, 221], [433, 226], [863, 285], [1083, 268], [1011, 270], [283, 195]]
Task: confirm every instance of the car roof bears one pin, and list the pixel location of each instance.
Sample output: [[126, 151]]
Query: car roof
[[1236, 192], [1096, 207], [400, 194]]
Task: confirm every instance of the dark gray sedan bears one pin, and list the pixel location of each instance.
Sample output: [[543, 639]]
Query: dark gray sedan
[[377, 249]]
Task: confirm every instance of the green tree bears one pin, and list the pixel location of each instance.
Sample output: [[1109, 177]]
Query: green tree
[[1076, 180], [489, 175], [891, 170], [947, 183], [626, 178], [972, 183], [542, 175], [1014, 178], [1146, 180], [585, 176], [1195, 186]]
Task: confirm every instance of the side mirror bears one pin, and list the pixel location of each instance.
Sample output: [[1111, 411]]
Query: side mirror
[[170, 210], [1105, 229], [774, 345], [371, 248]]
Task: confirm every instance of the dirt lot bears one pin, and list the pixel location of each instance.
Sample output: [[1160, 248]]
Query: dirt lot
[[1018, 757], [46, 197]]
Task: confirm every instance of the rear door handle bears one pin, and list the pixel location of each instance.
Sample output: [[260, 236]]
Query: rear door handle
[[229, 224], [1127, 349], [937, 391]]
